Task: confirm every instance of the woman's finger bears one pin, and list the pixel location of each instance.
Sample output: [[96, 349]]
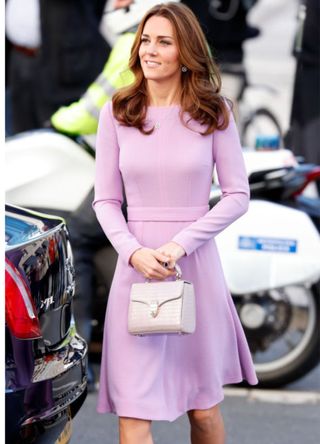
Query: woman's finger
[[172, 264], [160, 256], [160, 271]]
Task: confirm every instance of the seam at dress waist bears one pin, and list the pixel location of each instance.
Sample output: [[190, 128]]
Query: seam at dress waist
[[174, 214]]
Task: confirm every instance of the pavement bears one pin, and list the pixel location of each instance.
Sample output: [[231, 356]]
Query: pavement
[[251, 416], [289, 415]]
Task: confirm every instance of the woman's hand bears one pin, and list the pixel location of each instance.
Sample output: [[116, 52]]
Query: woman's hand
[[147, 262], [173, 250]]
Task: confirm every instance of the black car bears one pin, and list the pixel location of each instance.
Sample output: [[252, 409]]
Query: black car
[[45, 358]]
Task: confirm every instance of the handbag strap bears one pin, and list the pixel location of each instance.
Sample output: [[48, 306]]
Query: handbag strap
[[178, 272]]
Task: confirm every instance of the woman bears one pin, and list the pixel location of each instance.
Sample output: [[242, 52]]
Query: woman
[[161, 137]]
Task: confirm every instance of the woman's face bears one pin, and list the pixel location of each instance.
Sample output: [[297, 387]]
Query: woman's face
[[158, 52]]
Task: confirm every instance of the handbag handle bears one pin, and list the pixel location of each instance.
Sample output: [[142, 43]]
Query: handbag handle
[[178, 272]]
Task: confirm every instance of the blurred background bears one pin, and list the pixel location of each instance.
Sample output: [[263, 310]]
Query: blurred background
[[64, 60]]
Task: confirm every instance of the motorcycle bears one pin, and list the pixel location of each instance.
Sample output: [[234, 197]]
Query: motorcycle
[[297, 187], [271, 269], [272, 273], [293, 186]]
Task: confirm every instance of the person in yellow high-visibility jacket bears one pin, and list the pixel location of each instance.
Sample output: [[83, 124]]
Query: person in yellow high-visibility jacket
[[81, 117]]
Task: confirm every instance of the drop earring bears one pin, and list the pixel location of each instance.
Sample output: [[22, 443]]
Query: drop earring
[[184, 69]]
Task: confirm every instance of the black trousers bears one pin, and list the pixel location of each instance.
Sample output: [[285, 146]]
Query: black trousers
[[29, 111], [305, 118], [87, 238]]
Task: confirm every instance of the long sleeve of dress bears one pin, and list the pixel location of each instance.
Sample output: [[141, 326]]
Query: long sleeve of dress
[[228, 158], [108, 195]]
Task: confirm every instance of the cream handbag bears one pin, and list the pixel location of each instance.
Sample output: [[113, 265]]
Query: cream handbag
[[162, 307]]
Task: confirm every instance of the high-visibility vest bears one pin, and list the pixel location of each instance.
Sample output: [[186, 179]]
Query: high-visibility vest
[[82, 117]]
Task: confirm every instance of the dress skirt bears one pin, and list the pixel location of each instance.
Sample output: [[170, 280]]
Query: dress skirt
[[162, 376]]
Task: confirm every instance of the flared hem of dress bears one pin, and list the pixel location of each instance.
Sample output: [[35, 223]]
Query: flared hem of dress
[[131, 412]]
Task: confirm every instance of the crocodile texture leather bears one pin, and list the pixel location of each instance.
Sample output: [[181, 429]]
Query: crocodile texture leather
[[161, 307]]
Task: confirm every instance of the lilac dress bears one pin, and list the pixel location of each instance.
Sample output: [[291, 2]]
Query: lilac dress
[[167, 177]]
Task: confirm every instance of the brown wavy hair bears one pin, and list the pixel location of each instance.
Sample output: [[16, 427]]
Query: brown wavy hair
[[200, 85]]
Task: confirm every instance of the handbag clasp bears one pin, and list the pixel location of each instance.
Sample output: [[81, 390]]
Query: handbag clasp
[[154, 308]]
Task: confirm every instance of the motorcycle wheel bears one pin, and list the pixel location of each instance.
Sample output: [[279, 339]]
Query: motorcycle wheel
[[282, 328]]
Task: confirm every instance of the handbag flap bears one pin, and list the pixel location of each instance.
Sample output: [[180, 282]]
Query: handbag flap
[[157, 291]]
